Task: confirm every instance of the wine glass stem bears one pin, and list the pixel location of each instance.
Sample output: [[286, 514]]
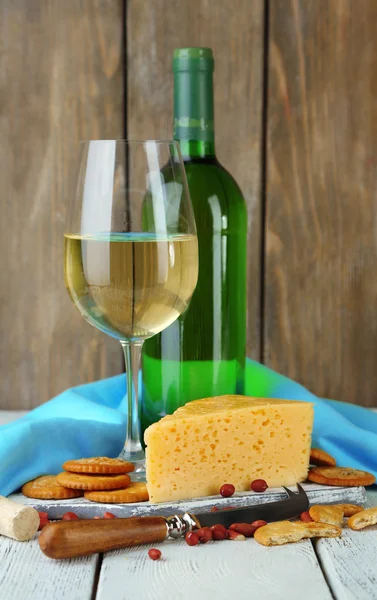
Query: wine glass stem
[[132, 354]]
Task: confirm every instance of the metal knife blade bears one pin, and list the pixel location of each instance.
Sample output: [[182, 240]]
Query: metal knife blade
[[293, 506]]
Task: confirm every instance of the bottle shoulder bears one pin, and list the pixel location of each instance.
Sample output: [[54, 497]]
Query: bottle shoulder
[[227, 178], [213, 169], [212, 186]]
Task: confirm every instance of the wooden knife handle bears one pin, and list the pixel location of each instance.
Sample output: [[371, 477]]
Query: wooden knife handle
[[68, 539]]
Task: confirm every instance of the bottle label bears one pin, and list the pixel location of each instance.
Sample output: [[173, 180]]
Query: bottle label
[[186, 128]]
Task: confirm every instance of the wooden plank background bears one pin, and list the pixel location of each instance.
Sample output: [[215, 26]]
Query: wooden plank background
[[296, 125], [320, 310], [61, 80]]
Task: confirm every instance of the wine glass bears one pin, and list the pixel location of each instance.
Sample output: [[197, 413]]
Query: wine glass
[[131, 253]]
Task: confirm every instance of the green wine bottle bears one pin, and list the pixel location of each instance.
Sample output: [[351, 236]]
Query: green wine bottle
[[202, 353]]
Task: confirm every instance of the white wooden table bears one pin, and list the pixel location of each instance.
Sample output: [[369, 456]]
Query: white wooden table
[[344, 569]]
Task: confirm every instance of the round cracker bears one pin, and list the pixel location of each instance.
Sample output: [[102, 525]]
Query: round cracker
[[342, 476], [364, 518], [321, 458], [350, 509], [284, 532], [135, 492], [98, 465], [93, 482], [47, 487], [327, 513]]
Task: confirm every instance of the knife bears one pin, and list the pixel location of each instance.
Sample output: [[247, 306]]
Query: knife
[[69, 539]]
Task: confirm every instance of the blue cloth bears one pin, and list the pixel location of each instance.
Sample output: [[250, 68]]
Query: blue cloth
[[89, 420]]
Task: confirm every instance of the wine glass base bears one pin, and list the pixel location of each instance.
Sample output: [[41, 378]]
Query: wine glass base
[[137, 458]]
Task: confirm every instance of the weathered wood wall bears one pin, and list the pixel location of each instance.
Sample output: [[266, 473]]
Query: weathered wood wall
[[61, 80], [320, 309], [296, 125]]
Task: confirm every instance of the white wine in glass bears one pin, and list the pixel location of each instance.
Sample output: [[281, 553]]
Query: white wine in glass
[[131, 254]]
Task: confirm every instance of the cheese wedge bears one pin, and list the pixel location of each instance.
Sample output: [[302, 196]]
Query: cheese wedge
[[227, 439]]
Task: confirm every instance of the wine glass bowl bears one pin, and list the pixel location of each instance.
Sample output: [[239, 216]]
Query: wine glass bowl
[[131, 255]]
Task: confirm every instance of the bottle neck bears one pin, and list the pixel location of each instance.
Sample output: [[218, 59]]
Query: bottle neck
[[191, 149], [194, 113]]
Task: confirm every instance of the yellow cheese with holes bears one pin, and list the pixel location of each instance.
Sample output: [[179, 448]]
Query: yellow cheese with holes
[[227, 439]]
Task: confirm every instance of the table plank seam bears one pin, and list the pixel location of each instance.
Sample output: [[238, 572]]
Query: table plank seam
[[96, 577], [323, 570]]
